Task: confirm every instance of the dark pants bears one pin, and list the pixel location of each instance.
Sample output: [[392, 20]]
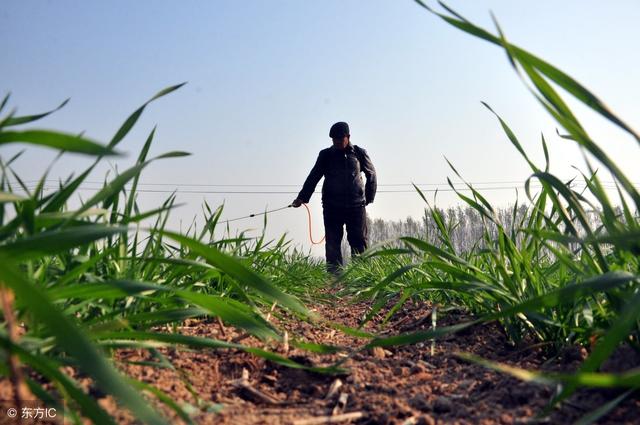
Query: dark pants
[[355, 218]]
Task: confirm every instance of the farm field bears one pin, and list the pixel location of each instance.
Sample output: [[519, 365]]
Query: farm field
[[111, 316], [409, 384]]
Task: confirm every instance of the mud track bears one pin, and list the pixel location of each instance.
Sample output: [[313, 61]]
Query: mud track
[[415, 384]]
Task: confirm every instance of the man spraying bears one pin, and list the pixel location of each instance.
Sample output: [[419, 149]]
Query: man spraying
[[344, 196]]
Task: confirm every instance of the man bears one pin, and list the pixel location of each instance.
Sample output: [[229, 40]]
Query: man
[[344, 195]]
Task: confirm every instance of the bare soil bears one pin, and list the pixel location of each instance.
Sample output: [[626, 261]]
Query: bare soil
[[414, 384]]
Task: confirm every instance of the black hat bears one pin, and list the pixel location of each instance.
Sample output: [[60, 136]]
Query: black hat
[[339, 129]]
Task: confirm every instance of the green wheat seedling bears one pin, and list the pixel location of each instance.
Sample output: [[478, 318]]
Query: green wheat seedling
[[565, 271], [105, 275]]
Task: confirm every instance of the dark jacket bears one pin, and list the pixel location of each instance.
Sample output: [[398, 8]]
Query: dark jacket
[[343, 186]]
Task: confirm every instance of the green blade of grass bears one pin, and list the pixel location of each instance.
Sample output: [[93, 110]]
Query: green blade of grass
[[152, 318], [200, 342], [71, 338], [562, 79], [232, 312], [164, 398], [118, 183], [568, 294], [30, 118], [88, 405], [630, 379], [603, 410], [108, 290], [419, 336], [11, 197], [617, 332], [53, 242], [241, 273], [133, 118], [56, 140]]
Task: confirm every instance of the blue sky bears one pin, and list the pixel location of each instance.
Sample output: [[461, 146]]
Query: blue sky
[[266, 79]]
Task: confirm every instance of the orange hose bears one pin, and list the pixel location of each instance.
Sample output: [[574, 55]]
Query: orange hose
[[310, 236]]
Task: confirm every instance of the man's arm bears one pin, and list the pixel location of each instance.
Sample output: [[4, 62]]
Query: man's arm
[[311, 182], [370, 173]]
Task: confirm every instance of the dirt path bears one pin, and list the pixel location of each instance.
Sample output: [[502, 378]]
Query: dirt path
[[400, 385]]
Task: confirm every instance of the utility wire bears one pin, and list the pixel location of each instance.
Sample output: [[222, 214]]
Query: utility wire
[[535, 185], [267, 185], [248, 192], [298, 185]]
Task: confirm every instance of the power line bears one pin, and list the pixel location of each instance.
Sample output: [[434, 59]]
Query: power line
[[277, 184], [264, 192], [426, 187], [299, 185]]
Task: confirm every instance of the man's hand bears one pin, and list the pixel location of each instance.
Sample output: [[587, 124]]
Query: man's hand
[[296, 203]]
